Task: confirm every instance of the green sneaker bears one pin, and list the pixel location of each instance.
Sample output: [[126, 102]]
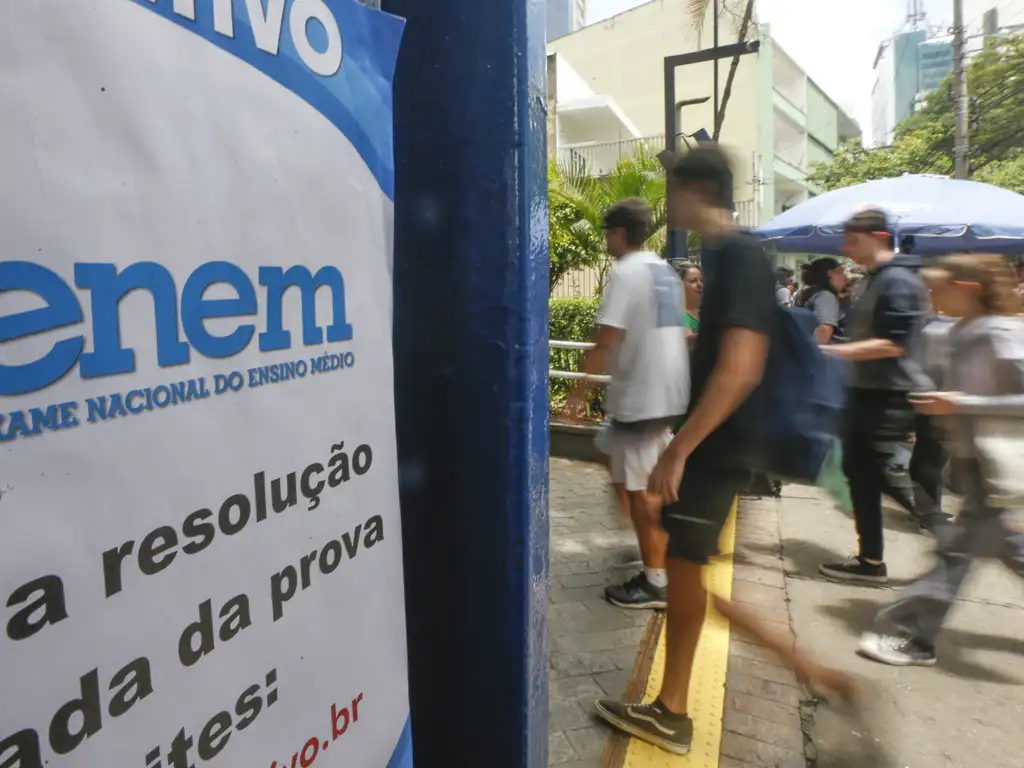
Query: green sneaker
[[650, 723]]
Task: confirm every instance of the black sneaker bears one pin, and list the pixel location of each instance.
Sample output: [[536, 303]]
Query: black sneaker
[[930, 526], [637, 593], [897, 651], [649, 722], [858, 571]]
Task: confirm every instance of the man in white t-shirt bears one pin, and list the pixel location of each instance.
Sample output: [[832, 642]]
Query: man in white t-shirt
[[641, 344]]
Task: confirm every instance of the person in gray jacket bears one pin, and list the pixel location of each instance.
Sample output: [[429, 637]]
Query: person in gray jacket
[[984, 377], [884, 351], [929, 458]]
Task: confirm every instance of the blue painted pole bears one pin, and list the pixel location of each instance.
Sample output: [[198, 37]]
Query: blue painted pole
[[471, 363]]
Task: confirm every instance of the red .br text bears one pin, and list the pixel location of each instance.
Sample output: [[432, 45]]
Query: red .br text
[[341, 719]]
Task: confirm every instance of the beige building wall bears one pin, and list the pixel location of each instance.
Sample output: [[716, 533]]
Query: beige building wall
[[623, 57]]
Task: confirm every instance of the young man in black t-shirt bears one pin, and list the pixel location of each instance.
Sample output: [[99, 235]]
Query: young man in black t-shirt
[[712, 457]]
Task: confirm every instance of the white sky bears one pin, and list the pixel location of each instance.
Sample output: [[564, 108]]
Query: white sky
[[834, 42]]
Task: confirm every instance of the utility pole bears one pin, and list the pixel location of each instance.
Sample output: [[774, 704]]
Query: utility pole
[[714, 44], [960, 145]]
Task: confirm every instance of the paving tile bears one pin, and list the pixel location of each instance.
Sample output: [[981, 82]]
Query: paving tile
[[613, 684], [778, 735], [589, 742], [594, 762], [572, 581], [761, 595], [559, 749], [751, 651], [764, 709], [728, 762], [768, 576], [581, 687], [772, 672], [574, 664], [760, 753], [567, 715]]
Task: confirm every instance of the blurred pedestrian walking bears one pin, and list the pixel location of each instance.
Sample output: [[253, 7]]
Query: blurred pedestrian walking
[[885, 328], [711, 459], [824, 279], [641, 343], [981, 407]]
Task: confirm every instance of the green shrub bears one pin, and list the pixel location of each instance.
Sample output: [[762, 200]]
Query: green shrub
[[570, 320]]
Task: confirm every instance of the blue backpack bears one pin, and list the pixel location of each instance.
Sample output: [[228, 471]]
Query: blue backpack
[[805, 398]]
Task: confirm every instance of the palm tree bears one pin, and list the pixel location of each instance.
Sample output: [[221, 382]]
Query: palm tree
[[698, 12], [583, 200]]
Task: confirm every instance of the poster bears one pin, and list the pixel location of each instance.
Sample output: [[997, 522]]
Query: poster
[[200, 545]]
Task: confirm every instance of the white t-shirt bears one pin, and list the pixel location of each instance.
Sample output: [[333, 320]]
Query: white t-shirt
[[650, 372]]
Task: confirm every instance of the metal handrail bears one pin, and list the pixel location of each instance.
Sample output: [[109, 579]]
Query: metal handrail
[[571, 344], [574, 375], [597, 379]]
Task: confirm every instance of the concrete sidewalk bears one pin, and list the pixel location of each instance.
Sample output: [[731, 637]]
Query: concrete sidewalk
[[964, 712], [599, 650], [593, 644]]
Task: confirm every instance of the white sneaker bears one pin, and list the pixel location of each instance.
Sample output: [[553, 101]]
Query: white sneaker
[[897, 651]]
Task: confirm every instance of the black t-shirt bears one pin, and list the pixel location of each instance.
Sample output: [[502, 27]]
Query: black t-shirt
[[739, 292]]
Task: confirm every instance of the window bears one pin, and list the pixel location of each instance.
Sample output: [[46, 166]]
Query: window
[[579, 13]]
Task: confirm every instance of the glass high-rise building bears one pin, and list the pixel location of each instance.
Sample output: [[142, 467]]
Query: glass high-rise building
[[565, 17], [907, 68]]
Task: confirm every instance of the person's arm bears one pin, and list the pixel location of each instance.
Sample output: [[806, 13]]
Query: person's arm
[[610, 333], [737, 373], [826, 312], [749, 315], [950, 403], [595, 361], [898, 312]]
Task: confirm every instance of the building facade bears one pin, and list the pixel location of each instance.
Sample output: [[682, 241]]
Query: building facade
[[1005, 16], [908, 67], [778, 122], [565, 17]]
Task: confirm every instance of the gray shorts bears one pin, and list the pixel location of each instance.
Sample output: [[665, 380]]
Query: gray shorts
[[633, 449]]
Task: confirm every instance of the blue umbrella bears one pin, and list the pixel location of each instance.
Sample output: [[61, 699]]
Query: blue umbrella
[[942, 215]]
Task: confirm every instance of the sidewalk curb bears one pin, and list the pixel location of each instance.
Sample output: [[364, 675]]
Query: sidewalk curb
[[615, 752], [763, 700]]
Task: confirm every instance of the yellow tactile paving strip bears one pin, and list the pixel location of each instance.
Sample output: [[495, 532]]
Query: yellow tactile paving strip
[[707, 687]]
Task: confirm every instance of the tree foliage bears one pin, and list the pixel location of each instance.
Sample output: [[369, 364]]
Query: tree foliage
[[569, 320], [579, 200], [569, 251], [698, 10], [924, 142]]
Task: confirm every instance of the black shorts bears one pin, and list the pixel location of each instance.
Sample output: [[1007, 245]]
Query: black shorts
[[695, 522]]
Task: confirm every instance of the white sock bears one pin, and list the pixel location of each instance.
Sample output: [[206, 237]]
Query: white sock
[[656, 577]]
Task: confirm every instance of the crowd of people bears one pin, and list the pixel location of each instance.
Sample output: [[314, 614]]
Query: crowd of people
[[931, 351]]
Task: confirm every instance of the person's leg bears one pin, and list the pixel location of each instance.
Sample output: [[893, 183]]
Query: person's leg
[[911, 625], [638, 454], [782, 645], [646, 510], [611, 458], [863, 465], [926, 469], [694, 524], [687, 609]]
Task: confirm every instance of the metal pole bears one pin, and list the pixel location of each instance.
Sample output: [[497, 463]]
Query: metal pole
[[477, 264], [714, 44], [676, 238], [960, 147], [670, 106]]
